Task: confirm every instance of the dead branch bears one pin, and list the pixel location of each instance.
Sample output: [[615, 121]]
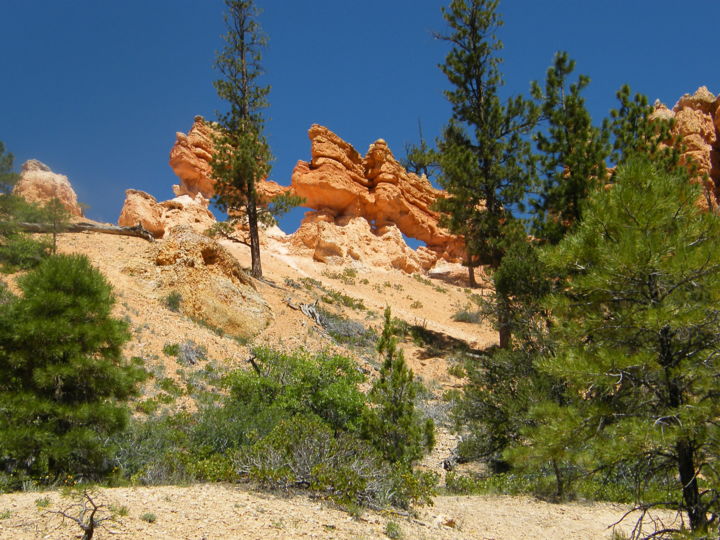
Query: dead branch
[[137, 231]]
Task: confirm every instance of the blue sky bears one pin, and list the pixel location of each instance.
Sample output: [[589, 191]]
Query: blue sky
[[97, 89]]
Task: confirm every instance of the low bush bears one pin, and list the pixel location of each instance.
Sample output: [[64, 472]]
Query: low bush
[[172, 301], [294, 421]]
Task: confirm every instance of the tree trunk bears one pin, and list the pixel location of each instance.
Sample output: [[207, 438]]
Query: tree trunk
[[256, 270], [471, 276], [137, 231], [691, 495], [504, 328]]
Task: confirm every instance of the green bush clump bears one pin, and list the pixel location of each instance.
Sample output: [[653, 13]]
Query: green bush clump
[[172, 301], [292, 421]]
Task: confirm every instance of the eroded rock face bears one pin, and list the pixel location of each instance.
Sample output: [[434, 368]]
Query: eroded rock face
[[339, 182], [697, 124], [213, 286], [190, 160], [159, 217], [333, 240], [38, 184]]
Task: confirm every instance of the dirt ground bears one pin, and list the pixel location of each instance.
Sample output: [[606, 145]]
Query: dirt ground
[[216, 511]]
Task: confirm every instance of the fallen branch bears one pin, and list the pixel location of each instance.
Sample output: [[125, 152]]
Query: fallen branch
[[137, 231]]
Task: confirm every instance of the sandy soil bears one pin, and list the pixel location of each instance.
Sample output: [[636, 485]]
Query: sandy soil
[[215, 511]]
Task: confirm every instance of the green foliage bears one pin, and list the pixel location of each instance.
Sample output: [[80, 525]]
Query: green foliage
[[173, 301], [421, 159], [171, 349], [292, 421], [572, 152], [636, 136], [291, 384], [64, 379], [17, 251], [392, 530], [149, 517], [484, 153], [393, 424], [57, 216], [638, 332], [334, 297]]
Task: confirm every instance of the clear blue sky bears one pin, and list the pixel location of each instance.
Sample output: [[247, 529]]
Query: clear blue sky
[[96, 89]]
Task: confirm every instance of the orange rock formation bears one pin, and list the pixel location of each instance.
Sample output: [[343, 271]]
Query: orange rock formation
[[190, 160], [38, 184], [697, 123], [142, 208], [340, 185], [338, 182]]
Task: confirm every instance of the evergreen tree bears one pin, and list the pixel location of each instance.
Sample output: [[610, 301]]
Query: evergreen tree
[[420, 158], [634, 133], [637, 338], [573, 152], [484, 153], [394, 425], [63, 378], [242, 155]]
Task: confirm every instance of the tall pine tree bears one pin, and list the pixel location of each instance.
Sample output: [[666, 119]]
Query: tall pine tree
[[242, 154], [484, 152]]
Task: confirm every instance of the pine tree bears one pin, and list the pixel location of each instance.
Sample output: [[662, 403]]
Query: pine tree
[[637, 338], [394, 425], [572, 152], [484, 153], [242, 154], [64, 380]]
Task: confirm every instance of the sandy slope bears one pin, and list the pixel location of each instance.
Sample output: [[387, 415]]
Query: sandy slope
[[218, 511]]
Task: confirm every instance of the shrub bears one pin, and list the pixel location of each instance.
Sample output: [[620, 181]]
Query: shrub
[[392, 530], [172, 301], [468, 315], [171, 349], [149, 517]]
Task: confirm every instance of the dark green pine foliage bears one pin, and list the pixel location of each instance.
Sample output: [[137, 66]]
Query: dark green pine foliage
[[572, 152], [421, 158], [637, 338], [63, 376], [503, 384], [634, 133], [484, 152], [393, 424]]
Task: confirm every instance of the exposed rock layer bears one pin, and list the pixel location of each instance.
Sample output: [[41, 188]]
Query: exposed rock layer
[[341, 183], [214, 289], [38, 184], [159, 217], [697, 124], [190, 160]]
